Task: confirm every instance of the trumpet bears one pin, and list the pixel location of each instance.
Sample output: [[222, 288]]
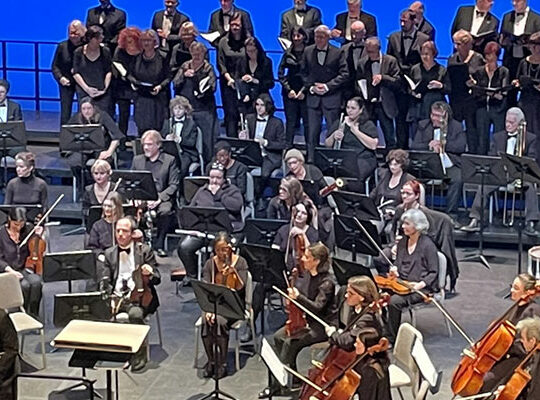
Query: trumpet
[[519, 150], [337, 143], [243, 123], [338, 184]]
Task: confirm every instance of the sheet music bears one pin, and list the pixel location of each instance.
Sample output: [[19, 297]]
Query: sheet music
[[411, 83], [285, 43], [362, 83], [210, 36], [273, 363], [203, 84], [120, 68]]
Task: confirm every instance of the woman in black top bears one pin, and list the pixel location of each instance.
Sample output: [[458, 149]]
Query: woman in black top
[[62, 68], [528, 77], [26, 188], [319, 298], [180, 52], [218, 270], [292, 84], [258, 76], [13, 258], [196, 81], [232, 67], [432, 83], [128, 49], [96, 193], [416, 262], [461, 65], [101, 235], [490, 105], [150, 76], [290, 193], [356, 132], [297, 167], [92, 71]]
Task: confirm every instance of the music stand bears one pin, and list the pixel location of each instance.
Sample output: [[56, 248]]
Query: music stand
[[262, 231], [12, 135], [192, 184], [219, 300], [247, 152], [32, 211], [136, 185], [356, 205], [266, 266], [86, 306], [526, 169], [95, 213], [69, 266], [425, 165], [351, 236], [344, 269], [482, 170], [337, 162]]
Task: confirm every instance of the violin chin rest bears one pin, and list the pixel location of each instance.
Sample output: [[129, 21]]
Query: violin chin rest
[[317, 364]]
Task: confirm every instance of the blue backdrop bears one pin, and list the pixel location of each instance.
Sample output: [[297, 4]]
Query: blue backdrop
[[39, 20]]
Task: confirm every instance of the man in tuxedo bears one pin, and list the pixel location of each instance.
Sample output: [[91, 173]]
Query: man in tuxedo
[[405, 46], [167, 24], [381, 75], [506, 142], [220, 20], [353, 52], [479, 21], [111, 19], [9, 110], [166, 177], [422, 24], [116, 272], [308, 17], [430, 137], [345, 20], [325, 72]]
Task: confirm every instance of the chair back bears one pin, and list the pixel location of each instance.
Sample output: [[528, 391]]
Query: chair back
[[442, 275], [405, 341], [10, 288], [430, 378], [249, 292], [250, 188], [200, 148]]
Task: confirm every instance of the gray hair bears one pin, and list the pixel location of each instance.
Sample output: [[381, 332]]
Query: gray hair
[[516, 111], [152, 134], [417, 218], [373, 41], [324, 29], [531, 327]]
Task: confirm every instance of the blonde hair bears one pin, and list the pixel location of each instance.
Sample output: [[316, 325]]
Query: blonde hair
[[101, 166]]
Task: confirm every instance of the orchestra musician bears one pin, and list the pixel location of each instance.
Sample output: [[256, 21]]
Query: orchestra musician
[[364, 333], [13, 258], [61, 67], [479, 21], [235, 171], [301, 15], [298, 168], [9, 109], [167, 24], [228, 269], [9, 354], [101, 235], [290, 193], [111, 20], [125, 268], [319, 298], [416, 262], [95, 194], [166, 178], [506, 142], [421, 23], [26, 187], [354, 13]]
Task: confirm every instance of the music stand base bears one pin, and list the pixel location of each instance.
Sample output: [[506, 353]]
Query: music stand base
[[478, 257], [216, 395]]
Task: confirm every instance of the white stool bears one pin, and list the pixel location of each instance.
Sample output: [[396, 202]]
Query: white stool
[[533, 261]]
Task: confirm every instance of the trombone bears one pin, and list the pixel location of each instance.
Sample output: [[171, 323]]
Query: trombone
[[519, 150]]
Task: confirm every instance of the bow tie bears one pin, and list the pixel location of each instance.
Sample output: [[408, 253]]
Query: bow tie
[[512, 134], [121, 250], [520, 14], [407, 37], [301, 11], [105, 9], [169, 15], [322, 51], [480, 13], [178, 121], [3, 105], [227, 15], [261, 120]]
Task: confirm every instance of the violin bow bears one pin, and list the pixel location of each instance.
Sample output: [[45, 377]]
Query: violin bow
[[301, 307], [43, 218], [305, 380]]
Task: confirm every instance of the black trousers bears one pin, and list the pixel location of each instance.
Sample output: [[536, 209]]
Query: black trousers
[[66, 102], [216, 335], [465, 110], [231, 106], [164, 224], [485, 118], [288, 348], [206, 121], [294, 111], [124, 111], [455, 184], [187, 248], [315, 116], [268, 165], [31, 285], [395, 307], [387, 125], [402, 126]]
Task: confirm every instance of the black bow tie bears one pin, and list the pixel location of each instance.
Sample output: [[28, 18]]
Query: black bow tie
[[407, 37], [171, 16], [178, 121], [301, 11], [261, 119], [105, 9], [121, 250], [3, 105], [520, 14], [480, 13], [227, 15], [321, 51]]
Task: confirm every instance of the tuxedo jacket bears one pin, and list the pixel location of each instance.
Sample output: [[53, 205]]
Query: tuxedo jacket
[[333, 73], [388, 85], [115, 21], [397, 50], [217, 24], [498, 144], [188, 134], [177, 21], [427, 28], [14, 112], [347, 51], [532, 25], [456, 139], [312, 19], [274, 133], [464, 19], [369, 22], [108, 268]]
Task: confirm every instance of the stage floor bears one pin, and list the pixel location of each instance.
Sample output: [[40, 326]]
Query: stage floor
[[171, 375]]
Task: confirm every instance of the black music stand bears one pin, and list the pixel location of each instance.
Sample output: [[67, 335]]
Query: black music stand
[[219, 300], [344, 269], [266, 266], [95, 213], [337, 162], [247, 152], [86, 306], [32, 211], [527, 170], [135, 185], [350, 236], [426, 166], [356, 205], [482, 170], [69, 266], [192, 184], [12, 135], [262, 231]]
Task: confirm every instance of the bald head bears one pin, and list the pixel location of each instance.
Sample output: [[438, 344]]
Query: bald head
[[358, 31], [418, 8]]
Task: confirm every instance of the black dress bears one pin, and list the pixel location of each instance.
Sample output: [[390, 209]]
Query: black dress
[[150, 110], [249, 91], [383, 192], [420, 108], [93, 73], [529, 101], [123, 93]]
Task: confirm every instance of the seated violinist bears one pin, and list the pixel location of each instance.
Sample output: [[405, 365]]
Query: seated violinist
[[228, 269], [361, 329], [123, 269], [416, 263], [290, 193], [319, 298], [13, 259]]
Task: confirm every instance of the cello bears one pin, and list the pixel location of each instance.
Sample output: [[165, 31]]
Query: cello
[[518, 380], [141, 293]]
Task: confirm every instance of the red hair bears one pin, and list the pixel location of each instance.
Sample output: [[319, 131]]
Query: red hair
[[129, 33], [415, 186]]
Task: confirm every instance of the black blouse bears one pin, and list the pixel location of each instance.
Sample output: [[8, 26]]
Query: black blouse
[[121, 86], [264, 74], [63, 61], [320, 299], [500, 78], [153, 71], [101, 235], [28, 190], [459, 72], [351, 142], [10, 254], [290, 71], [383, 189], [421, 265], [231, 57], [189, 87], [529, 76], [422, 76], [92, 72]]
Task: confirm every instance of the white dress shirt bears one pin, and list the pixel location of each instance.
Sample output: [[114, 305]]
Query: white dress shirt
[[477, 21], [3, 112], [126, 266]]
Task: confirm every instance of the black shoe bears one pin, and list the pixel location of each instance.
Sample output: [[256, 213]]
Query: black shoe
[[530, 230], [222, 372], [161, 253], [455, 223], [473, 226], [208, 370], [138, 365], [268, 392]]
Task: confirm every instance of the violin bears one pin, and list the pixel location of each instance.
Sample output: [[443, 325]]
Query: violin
[[141, 293], [478, 360], [396, 285], [518, 380], [299, 250], [232, 278]]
